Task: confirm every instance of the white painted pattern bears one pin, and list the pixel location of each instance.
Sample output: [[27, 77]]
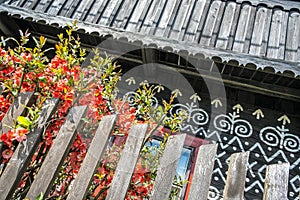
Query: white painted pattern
[[232, 132]]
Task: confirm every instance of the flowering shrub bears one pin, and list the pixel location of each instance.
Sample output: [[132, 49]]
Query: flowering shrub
[[24, 69]]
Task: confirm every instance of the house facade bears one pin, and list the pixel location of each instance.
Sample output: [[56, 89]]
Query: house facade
[[235, 62]]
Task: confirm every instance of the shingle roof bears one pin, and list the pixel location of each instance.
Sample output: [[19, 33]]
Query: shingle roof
[[268, 29]]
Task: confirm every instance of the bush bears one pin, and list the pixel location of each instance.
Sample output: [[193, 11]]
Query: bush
[[25, 69]]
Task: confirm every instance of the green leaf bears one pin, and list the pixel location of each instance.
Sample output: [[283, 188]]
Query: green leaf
[[40, 196], [24, 121]]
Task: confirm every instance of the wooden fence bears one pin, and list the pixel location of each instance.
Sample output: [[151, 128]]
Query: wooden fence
[[276, 180]]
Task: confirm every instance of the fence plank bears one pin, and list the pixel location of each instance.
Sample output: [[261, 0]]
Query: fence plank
[[167, 167], [16, 109], [276, 182], [127, 162], [57, 153], [21, 158], [236, 176], [1, 88], [92, 159], [203, 172]]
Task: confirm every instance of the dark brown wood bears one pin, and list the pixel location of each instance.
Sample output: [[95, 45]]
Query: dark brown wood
[[203, 172], [167, 167], [57, 153], [92, 159], [276, 182], [127, 162], [21, 158], [236, 176]]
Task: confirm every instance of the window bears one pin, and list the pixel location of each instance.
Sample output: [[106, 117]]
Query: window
[[186, 163]]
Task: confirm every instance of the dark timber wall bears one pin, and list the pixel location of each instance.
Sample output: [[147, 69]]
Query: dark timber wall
[[263, 109]]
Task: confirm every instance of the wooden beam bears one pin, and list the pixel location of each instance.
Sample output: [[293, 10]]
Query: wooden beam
[[16, 109], [236, 176], [127, 162], [57, 153], [22, 156], [92, 159], [167, 167], [203, 172], [276, 182]]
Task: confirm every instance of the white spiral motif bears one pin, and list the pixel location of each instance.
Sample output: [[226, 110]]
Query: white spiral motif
[[131, 98], [213, 193], [229, 124], [197, 116], [270, 136], [242, 128], [223, 123], [178, 108], [291, 143], [154, 102]]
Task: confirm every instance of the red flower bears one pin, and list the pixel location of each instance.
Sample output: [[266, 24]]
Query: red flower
[[7, 153], [21, 134], [132, 110]]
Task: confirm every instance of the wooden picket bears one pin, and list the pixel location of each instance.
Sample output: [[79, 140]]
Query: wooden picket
[[276, 176], [127, 162], [17, 108], [92, 159], [167, 168], [19, 161], [203, 172], [57, 153], [276, 183], [236, 176]]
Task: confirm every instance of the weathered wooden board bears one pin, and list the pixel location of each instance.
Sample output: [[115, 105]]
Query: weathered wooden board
[[72, 8], [92, 159], [167, 167], [165, 17], [43, 5], [258, 31], [82, 9], [17, 108], [266, 32], [249, 30], [137, 15], [203, 171], [236, 176], [210, 23], [275, 31], [124, 13], [276, 182], [194, 22], [57, 153], [152, 16], [55, 7], [226, 25], [242, 28], [293, 34], [21, 158], [110, 12], [183, 12], [96, 11], [127, 162], [283, 33]]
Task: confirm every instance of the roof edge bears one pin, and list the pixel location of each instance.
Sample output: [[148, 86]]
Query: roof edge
[[175, 46]]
